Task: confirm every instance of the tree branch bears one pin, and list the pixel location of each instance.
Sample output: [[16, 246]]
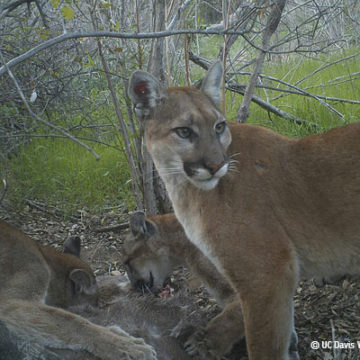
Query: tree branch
[[128, 152], [117, 227], [240, 89], [99, 34], [176, 17], [272, 24], [299, 91], [269, 107], [38, 118]]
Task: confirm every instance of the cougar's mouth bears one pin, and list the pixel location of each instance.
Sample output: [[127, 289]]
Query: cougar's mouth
[[144, 286], [151, 282], [205, 179], [208, 184]]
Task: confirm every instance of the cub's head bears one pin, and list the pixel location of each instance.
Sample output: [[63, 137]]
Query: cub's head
[[185, 133], [80, 286], [148, 257]]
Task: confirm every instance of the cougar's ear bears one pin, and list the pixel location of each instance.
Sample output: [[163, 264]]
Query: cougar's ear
[[72, 245], [83, 282], [140, 226], [145, 92], [211, 84]]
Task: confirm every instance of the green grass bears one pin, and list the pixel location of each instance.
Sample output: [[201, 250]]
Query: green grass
[[306, 108], [61, 173]]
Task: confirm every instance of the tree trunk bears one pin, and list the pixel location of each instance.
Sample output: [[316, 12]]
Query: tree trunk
[[156, 198]]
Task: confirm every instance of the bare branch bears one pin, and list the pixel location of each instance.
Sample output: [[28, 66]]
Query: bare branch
[[272, 23], [299, 91], [269, 107], [240, 89], [3, 179], [107, 34], [38, 118], [123, 128], [325, 66], [117, 227], [176, 17]]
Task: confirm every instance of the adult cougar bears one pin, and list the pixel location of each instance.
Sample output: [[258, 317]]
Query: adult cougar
[[34, 282], [264, 208], [154, 247]]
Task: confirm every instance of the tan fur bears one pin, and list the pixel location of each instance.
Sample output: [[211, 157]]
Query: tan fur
[[286, 208], [34, 282], [159, 252]]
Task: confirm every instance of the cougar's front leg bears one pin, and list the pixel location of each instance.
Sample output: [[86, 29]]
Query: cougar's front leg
[[268, 316], [219, 336], [56, 329]]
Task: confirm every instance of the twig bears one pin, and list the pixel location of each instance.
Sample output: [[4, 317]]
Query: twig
[[117, 227], [100, 34], [300, 92], [4, 181], [326, 66], [129, 155], [238, 88], [59, 137], [41, 207], [336, 352], [269, 107], [272, 24], [176, 17], [38, 118]]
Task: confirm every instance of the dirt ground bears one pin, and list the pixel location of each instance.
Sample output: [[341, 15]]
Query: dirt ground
[[327, 315]]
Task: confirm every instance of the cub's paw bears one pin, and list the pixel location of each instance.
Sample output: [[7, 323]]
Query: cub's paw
[[198, 344]]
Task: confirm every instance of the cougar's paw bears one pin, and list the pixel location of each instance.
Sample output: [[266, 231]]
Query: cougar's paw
[[147, 352], [119, 331], [199, 345], [136, 348], [142, 352]]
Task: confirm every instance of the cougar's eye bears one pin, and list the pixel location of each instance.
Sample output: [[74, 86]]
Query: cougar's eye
[[220, 127], [183, 132]]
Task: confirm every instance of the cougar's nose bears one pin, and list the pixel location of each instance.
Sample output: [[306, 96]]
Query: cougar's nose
[[214, 168]]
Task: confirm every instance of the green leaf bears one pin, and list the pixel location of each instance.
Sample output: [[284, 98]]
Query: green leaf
[[43, 33], [68, 13], [55, 3], [91, 60]]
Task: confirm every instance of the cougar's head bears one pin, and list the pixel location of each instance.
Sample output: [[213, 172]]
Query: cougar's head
[[185, 132], [148, 260], [74, 282]]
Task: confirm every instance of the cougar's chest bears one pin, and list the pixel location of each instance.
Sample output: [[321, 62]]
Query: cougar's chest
[[191, 211], [194, 226]]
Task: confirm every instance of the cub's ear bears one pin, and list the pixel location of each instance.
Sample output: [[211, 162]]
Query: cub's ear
[[145, 92], [211, 84], [139, 226], [72, 245], [84, 283]]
